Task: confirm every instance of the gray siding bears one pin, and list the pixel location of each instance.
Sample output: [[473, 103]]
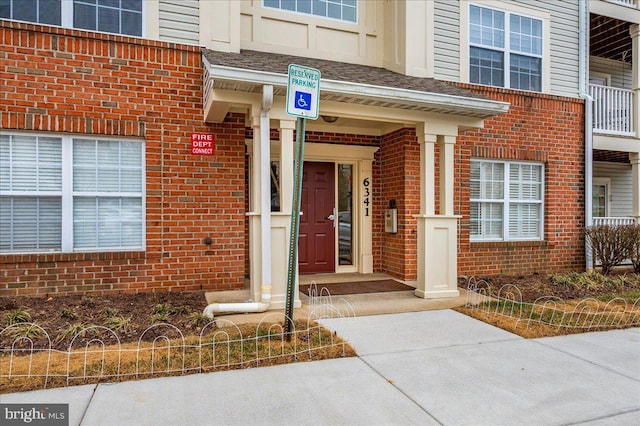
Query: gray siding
[[564, 42], [620, 188], [447, 40], [620, 72], [180, 21]]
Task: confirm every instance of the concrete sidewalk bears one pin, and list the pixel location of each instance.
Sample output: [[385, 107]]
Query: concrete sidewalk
[[432, 367]]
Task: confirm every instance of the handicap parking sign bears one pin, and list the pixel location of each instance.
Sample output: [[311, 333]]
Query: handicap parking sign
[[303, 100], [303, 91]]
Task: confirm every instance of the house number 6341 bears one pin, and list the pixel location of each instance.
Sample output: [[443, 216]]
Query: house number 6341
[[367, 193]]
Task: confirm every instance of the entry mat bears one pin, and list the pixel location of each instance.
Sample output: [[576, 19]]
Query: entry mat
[[358, 287]]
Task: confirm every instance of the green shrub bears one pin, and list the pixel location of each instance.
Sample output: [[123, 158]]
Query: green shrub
[[17, 316]]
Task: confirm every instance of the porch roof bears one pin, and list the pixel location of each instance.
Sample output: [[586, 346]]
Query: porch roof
[[249, 70]]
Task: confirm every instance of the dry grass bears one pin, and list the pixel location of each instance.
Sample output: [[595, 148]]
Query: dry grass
[[220, 349], [547, 320]]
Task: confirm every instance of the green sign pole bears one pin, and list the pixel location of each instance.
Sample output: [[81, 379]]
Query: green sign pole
[[298, 163]]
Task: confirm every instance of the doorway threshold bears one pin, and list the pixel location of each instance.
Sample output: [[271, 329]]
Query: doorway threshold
[[343, 278]]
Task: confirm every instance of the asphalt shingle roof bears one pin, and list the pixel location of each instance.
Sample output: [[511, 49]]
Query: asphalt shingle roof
[[332, 70]]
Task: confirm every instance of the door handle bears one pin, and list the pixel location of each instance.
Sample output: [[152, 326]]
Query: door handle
[[332, 217]]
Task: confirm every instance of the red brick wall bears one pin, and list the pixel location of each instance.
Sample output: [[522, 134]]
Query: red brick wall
[[537, 127], [543, 128], [61, 80], [399, 180]]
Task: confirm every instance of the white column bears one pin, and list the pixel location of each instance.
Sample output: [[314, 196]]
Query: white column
[[634, 158], [286, 164], [427, 171], [365, 266], [437, 234], [281, 221], [255, 203], [260, 220], [634, 31], [446, 144]]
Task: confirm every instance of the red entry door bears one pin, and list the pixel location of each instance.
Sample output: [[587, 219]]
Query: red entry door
[[316, 244]]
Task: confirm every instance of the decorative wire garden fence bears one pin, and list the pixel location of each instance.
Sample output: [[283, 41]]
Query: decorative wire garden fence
[[96, 354], [587, 314]]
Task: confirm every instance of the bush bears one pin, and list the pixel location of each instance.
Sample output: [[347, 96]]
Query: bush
[[611, 245], [634, 254]]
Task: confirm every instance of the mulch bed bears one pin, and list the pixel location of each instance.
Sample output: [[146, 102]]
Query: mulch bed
[[534, 286], [57, 313]]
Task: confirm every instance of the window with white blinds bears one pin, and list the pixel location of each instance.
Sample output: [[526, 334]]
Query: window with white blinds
[[63, 194], [506, 200]]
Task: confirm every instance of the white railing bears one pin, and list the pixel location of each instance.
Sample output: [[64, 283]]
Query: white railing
[[613, 221], [612, 110], [628, 3]]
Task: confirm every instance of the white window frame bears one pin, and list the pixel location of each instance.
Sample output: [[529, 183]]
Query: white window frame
[[506, 201], [314, 15], [66, 18], [508, 8], [606, 182], [67, 194], [599, 76]]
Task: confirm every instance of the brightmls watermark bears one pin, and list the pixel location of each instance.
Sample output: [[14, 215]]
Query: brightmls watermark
[[34, 414]]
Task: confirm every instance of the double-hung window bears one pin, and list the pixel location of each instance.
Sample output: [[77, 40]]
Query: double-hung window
[[505, 49], [343, 10], [110, 16], [506, 200], [66, 194]]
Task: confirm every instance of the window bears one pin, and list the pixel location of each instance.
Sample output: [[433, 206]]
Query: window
[[505, 49], [600, 195], [506, 201], [275, 186], [110, 16], [66, 194], [40, 11], [344, 10]]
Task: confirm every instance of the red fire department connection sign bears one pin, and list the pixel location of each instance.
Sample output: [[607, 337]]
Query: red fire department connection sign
[[201, 143]]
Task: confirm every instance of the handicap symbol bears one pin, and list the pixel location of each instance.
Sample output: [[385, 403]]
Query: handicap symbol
[[303, 100]]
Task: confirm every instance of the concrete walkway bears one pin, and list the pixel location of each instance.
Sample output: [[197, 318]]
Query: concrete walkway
[[431, 367]]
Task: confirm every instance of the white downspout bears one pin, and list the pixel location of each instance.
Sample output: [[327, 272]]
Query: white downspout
[[583, 54], [265, 218]]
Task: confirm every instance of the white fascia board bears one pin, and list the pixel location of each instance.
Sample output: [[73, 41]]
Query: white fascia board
[[413, 97]]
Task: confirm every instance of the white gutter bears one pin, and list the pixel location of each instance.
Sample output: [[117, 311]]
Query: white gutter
[[583, 64], [265, 218], [415, 97]]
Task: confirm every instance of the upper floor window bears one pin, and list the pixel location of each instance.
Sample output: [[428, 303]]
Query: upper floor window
[[344, 10], [65, 194], [40, 11], [506, 200], [505, 49], [110, 16]]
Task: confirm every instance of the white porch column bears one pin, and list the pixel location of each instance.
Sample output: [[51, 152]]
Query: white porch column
[[286, 164], [437, 233], [281, 221], [260, 215], [634, 31], [634, 158], [365, 266], [446, 144]]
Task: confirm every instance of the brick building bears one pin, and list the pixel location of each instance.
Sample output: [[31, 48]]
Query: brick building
[[101, 192]]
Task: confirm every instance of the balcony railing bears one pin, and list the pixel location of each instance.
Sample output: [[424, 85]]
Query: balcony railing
[[612, 110], [613, 221], [628, 3]]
